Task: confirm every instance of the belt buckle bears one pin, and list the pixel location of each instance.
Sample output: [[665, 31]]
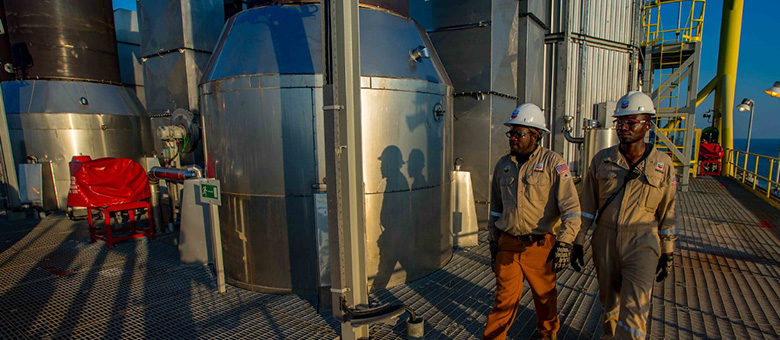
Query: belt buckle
[[525, 238]]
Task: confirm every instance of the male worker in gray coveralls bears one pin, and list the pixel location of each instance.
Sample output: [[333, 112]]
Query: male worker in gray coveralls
[[629, 190]]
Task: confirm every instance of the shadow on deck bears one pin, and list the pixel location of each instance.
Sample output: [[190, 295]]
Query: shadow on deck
[[55, 284]]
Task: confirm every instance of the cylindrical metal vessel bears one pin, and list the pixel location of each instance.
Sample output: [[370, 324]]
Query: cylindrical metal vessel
[[262, 99], [65, 39], [596, 139], [56, 120]]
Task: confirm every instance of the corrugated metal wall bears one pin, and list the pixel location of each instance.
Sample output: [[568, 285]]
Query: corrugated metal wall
[[563, 55], [591, 57]]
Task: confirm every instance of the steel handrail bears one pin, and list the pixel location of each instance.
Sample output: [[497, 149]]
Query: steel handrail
[[733, 169]]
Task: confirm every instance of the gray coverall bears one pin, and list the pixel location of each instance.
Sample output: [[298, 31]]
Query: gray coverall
[[635, 228]]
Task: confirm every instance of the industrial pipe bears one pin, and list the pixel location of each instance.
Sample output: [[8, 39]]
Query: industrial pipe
[[362, 317], [170, 174], [728, 56], [572, 139], [155, 174], [154, 202]]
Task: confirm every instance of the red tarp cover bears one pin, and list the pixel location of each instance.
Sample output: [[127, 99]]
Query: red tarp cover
[[709, 151], [107, 181]]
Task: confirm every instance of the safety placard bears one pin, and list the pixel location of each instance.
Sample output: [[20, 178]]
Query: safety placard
[[210, 192]]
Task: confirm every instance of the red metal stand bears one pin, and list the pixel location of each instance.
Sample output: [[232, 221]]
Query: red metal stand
[[108, 233], [709, 167]]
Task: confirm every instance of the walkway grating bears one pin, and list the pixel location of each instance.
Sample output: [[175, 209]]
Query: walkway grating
[[54, 284]]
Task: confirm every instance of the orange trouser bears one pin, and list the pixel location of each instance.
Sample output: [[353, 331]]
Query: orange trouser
[[517, 260]]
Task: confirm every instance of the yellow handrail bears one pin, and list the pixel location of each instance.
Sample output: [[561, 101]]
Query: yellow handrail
[[733, 170], [690, 30], [676, 134]]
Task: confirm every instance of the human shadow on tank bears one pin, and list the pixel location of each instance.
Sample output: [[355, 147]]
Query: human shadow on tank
[[391, 241], [414, 168]]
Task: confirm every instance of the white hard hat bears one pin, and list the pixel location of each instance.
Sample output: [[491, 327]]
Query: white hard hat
[[634, 103], [528, 115]]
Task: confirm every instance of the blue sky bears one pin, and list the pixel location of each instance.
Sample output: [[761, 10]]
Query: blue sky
[[758, 68], [759, 63], [126, 4]]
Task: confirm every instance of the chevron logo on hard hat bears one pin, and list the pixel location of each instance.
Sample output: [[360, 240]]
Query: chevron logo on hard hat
[[624, 104], [514, 113]]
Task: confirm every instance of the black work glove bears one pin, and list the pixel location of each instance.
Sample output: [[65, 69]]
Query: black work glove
[[664, 267], [493, 253], [560, 255], [578, 257]]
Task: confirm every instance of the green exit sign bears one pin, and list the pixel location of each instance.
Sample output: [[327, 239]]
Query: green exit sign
[[209, 192]]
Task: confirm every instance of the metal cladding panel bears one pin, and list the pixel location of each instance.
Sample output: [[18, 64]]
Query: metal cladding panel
[[610, 20], [39, 96], [465, 54], [404, 243], [261, 141], [126, 24], [499, 145], [472, 131], [132, 71], [293, 45], [387, 55], [530, 70], [556, 18], [504, 46], [173, 24], [437, 14], [269, 40], [403, 122], [262, 147], [66, 39], [47, 120], [594, 75], [171, 80], [268, 243]]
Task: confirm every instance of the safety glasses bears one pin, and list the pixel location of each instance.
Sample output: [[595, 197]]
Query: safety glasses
[[628, 121], [517, 135]]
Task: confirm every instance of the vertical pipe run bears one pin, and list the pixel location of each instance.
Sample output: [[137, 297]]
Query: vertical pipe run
[[344, 152], [9, 167], [154, 201], [750, 128], [728, 56]]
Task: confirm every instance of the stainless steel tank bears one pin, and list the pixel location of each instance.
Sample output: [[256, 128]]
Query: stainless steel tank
[[597, 139], [66, 102], [63, 39], [56, 120], [261, 99]]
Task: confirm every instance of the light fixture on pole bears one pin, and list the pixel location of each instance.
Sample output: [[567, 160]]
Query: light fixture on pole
[[747, 105], [774, 91]]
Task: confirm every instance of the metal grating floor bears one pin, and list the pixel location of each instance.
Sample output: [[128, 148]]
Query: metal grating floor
[[55, 284]]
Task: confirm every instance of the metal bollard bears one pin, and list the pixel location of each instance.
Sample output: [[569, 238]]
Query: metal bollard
[[415, 329]]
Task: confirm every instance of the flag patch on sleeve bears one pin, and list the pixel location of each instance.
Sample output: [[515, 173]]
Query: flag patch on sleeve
[[563, 171], [674, 180]]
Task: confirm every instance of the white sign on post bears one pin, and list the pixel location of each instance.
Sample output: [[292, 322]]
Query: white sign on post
[[211, 194]]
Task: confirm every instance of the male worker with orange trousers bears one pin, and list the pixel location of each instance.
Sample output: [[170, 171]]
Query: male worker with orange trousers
[[534, 218], [629, 191]]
